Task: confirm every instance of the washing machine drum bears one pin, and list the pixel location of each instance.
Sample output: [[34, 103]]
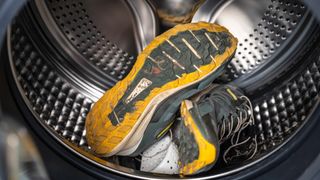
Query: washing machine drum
[[64, 54]]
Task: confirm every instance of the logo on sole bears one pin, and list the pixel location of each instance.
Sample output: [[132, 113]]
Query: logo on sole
[[142, 85]]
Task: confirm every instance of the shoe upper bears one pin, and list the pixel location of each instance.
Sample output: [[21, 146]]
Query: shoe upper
[[220, 113], [219, 108], [227, 112], [176, 65]]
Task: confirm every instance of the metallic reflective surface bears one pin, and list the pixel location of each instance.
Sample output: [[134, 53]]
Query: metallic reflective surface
[[60, 97], [172, 12], [265, 30], [146, 23], [103, 49]]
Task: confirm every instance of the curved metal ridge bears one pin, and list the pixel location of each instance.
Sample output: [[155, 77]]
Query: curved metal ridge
[[70, 26], [269, 33], [67, 127], [61, 107]]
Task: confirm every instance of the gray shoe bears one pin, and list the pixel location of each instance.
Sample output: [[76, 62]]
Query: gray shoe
[[218, 114]]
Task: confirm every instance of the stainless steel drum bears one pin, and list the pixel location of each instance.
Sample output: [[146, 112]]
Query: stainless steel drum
[[266, 31], [64, 54]]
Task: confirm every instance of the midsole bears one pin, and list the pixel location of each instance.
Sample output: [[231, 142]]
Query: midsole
[[146, 116], [150, 109], [107, 132]]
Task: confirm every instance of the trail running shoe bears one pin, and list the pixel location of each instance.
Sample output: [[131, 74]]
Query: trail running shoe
[[138, 110], [215, 115]]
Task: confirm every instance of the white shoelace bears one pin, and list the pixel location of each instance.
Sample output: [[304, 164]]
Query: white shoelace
[[244, 119]]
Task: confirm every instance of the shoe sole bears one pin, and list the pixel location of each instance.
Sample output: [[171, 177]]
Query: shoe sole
[[200, 156], [134, 146], [107, 139]]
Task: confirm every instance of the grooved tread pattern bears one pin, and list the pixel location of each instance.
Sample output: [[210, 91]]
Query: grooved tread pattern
[[107, 138], [167, 64], [187, 145]]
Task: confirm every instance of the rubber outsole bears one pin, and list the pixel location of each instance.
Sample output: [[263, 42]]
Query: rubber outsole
[[165, 112], [206, 151], [104, 137]]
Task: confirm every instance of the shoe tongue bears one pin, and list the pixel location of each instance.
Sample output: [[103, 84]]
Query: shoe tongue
[[217, 108], [205, 108]]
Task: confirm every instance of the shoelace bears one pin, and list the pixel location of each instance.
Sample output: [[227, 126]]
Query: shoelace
[[244, 118], [242, 115]]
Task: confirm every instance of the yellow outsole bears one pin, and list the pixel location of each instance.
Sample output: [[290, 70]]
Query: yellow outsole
[[102, 136], [207, 151]]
